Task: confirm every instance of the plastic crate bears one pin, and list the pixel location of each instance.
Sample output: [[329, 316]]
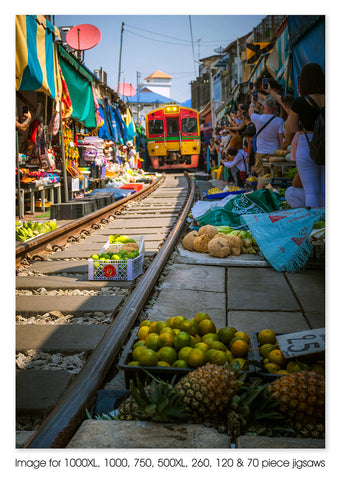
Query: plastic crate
[[117, 269], [133, 186], [134, 371]]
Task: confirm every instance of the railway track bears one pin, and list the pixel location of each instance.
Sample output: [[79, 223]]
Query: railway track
[[69, 330]]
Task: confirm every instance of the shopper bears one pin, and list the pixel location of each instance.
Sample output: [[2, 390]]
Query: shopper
[[269, 136], [311, 87], [237, 165]]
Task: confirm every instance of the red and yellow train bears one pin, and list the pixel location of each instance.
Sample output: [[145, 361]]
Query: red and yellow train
[[173, 137]]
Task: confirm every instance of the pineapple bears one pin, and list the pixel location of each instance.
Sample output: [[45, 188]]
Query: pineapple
[[308, 430], [157, 401], [301, 396], [206, 391]]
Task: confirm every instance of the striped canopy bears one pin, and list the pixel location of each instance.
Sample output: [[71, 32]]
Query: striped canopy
[[36, 60], [259, 68]]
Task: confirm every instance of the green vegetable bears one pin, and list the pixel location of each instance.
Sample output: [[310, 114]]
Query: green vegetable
[[318, 225]]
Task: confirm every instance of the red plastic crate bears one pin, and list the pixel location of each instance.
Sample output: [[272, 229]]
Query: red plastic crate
[[133, 186]]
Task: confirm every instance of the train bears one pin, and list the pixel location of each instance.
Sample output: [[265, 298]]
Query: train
[[173, 137]]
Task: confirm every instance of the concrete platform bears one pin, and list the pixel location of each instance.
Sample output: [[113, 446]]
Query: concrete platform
[[68, 304], [31, 398], [309, 286], [174, 301], [196, 277], [251, 321], [140, 434], [66, 339], [259, 289]]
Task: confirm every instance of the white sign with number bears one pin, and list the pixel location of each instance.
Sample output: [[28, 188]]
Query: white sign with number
[[302, 343]]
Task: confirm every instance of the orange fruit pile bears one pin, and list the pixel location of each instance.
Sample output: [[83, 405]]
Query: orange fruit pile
[[181, 342]]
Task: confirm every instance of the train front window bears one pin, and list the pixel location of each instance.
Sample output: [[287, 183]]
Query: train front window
[[155, 127], [172, 127], [189, 125]]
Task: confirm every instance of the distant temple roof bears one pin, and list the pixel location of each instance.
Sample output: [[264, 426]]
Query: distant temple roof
[[158, 74]]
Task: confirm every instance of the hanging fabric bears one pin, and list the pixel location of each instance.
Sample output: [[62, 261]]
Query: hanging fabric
[[36, 69]]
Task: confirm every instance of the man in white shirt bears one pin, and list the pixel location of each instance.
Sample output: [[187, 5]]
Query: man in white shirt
[[270, 132]]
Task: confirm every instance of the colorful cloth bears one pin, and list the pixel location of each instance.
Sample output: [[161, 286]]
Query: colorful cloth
[[260, 201], [283, 236]]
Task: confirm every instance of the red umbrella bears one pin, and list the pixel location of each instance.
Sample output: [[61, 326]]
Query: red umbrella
[[126, 89]]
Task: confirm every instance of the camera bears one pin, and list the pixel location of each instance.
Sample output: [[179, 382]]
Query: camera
[[265, 83]]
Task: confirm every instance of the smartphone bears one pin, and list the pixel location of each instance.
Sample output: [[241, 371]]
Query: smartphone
[[255, 95], [265, 83], [24, 110], [251, 85]]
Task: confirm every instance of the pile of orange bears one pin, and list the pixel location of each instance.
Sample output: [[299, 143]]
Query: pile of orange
[[274, 360], [188, 343]]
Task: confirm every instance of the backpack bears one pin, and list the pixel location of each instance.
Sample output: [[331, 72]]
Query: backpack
[[317, 143]]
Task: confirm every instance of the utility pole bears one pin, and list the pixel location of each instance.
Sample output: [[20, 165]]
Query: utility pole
[[137, 95], [119, 62]]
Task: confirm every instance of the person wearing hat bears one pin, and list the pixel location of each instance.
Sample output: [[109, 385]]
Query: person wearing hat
[[269, 133]]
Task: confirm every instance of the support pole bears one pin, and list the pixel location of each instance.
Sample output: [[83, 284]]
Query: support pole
[[66, 192]]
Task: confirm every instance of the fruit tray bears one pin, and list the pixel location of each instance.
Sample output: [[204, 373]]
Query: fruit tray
[[132, 371], [117, 269], [255, 355], [223, 194]]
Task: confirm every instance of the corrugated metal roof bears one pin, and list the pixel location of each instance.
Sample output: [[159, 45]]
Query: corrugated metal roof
[[148, 96]]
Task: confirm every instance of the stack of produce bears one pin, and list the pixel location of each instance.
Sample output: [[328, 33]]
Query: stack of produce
[[274, 361], [28, 230], [220, 241], [121, 247], [224, 397], [180, 342]]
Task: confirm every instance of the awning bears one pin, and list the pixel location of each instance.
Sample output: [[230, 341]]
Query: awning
[[79, 83], [278, 60], [259, 68], [36, 61], [307, 42]]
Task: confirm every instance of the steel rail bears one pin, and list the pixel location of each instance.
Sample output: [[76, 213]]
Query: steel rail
[[80, 224], [64, 420]]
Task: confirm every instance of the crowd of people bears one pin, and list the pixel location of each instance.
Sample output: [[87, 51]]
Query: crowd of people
[[270, 120]]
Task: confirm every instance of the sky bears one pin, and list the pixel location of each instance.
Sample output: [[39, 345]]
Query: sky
[[159, 42]]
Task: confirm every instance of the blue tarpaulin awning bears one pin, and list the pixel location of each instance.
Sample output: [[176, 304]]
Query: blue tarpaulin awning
[[307, 43]]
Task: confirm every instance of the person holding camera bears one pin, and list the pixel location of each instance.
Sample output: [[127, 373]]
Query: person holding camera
[[25, 123], [269, 133]]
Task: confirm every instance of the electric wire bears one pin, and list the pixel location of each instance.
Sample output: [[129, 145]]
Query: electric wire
[[188, 42]]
